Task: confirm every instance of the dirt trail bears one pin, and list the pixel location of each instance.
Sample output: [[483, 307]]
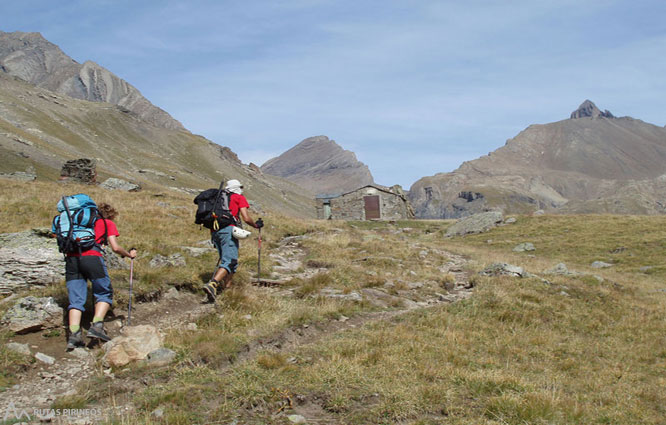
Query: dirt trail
[[43, 383]]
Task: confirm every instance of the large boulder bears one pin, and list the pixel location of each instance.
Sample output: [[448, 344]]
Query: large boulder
[[135, 344], [477, 223], [120, 184], [31, 314], [29, 258]]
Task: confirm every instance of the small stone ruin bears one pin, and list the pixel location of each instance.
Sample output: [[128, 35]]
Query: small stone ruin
[[82, 170]]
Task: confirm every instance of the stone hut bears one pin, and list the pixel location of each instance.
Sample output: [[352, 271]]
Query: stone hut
[[82, 170], [370, 202]]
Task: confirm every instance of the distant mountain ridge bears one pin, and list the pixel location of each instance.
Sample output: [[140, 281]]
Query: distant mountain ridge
[[32, 58], [592, 162], [320, 165]]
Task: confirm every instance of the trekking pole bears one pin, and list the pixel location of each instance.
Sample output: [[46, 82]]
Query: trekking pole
[[129, 307], [259, 258]]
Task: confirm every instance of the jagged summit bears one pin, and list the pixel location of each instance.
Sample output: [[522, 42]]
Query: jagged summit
[[589, 109], [32, 58]]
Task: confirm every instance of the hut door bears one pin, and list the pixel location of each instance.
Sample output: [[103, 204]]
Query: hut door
[[327, 211], [371, 207]]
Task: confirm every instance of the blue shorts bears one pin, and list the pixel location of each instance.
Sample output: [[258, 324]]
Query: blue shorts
[[80, 269], [227, 248]]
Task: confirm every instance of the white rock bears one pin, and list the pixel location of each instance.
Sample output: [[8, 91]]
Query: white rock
[[19, 348], [135, 344], [44, 358], [297, 419]]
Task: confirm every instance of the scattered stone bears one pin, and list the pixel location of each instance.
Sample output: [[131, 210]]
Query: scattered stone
[[32, 314], [343, 318], [477, 223], [81, 353], [193, 326], [336, 293], [171, 294], [619, 250], [157, 413], [598, 278], [600, 265], [561, 269], [196, 252], [415, 285], [19, 348], [173, 260], [135, 344], [44, 358], [503, 269], [380, 298], [247, 317], [510, 220], [538, 212], [25, 176], [297, 419], [113, 261], [160, 357], [82, 170], [525, 246], [120, 184], [645, 269]]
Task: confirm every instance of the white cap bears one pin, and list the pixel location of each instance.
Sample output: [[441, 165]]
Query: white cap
[[234, 186], [239, 233]]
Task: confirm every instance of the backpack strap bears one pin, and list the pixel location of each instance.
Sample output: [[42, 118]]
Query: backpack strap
[[216, 225], [71, 227], [105, 238]]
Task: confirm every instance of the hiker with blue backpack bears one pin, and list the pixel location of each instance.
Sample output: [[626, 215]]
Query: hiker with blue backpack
[[221, 211], [82, 228]]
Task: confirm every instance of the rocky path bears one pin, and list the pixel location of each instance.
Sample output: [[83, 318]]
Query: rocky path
[[61, 373], [43, 383]]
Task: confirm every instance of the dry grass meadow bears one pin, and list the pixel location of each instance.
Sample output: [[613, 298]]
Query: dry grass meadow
[[581, 349]]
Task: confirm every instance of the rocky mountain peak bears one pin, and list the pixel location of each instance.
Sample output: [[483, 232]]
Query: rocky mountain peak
[[32, 58], [321, 166], [589, 109]]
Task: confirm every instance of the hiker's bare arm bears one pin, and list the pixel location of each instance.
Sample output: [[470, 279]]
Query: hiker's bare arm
[[246, 217], [115, 246]]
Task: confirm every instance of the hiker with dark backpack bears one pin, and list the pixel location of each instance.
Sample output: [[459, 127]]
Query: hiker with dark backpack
[[81, 229], [221, 210]]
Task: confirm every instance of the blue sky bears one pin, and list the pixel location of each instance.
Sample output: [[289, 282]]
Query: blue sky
[[412, 87]]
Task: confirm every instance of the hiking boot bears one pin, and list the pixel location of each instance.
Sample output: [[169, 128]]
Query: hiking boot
[[211, 290], [97, 331], [75, 340]]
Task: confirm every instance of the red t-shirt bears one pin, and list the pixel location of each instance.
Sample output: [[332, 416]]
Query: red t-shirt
[[236, 202], [111, 230]]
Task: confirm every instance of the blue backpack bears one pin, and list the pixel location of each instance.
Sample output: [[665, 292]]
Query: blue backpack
[[74, 227]]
